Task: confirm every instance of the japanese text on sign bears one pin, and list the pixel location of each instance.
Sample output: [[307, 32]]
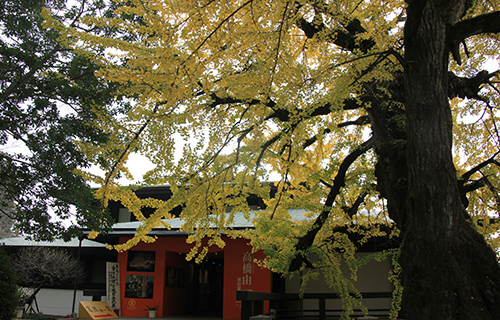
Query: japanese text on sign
[[95, 310], [247, 271], [113, 284]]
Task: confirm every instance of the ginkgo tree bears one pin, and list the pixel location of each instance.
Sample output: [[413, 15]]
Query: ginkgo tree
[[373, 113]]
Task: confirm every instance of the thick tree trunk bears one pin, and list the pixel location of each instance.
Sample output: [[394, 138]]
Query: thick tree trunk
[[449, 272]]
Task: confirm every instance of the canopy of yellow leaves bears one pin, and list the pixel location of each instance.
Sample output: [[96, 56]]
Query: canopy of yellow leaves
[[225, 92]]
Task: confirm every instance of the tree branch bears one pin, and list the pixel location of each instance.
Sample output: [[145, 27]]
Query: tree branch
[[359, 122], [312, 140], [457, 33], [492, 188], [343, 38], [353, 209], [468, 87], [307, 240], [219, 26], [465, 185], [466, 176], [486, 23]]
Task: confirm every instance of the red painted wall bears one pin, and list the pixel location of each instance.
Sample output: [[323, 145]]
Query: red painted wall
[[240, 273], [174, 300], [136, 307]]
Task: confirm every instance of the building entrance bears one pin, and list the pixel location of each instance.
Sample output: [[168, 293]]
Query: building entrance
[[205, 286]]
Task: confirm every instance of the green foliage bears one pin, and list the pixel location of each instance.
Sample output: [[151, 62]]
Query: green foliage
[[49, 97], [9, 299]]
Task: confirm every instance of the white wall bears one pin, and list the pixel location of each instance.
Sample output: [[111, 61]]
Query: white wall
[[59, 302], [373, 277]]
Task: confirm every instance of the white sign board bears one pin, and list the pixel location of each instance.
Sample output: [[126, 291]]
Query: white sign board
[[113, 284]]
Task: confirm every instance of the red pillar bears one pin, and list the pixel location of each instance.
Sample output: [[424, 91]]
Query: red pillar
[[241, 273]]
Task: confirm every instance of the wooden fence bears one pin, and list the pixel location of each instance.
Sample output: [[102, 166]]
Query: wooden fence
[[309, 306]]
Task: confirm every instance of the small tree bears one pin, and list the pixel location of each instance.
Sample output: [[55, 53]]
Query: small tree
[[41, 267], [8, 289]]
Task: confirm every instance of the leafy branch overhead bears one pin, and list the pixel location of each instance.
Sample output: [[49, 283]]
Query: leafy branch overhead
[[378, 116]]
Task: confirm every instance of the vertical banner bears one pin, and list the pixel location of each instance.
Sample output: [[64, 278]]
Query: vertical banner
[[113, 284]]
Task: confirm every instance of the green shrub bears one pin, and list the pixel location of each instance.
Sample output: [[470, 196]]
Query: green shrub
[[8, 289]]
